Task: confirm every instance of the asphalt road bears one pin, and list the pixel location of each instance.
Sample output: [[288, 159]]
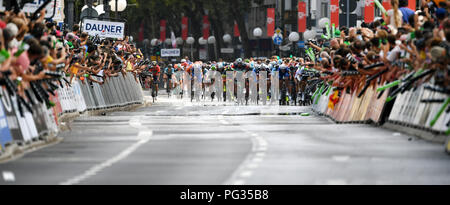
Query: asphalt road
[[178, 142]]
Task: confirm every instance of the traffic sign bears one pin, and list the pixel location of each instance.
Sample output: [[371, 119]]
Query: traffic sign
[[277, 40], [301, 44], [278, 31]]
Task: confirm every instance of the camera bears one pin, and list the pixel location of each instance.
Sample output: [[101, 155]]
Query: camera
[[351, 58]]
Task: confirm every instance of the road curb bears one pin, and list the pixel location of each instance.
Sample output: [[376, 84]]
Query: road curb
[[15, 151], [426, 135], [447, 145], [423, 134]]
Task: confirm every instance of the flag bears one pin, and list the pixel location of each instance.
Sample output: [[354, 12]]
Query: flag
[[173, 39], [369, 11], [141, 32], [412, 4], [334, 8], [184, 27], [162, 30], [236, 30], [386, 4], [205, 27], [301, 16], [270, 21]]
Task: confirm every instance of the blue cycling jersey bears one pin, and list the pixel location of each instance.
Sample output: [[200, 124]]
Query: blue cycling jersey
[[166, 71]]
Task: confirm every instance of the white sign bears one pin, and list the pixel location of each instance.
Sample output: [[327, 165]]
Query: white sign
[[59, 8], [104, 29], [170, 52], [227, 50]]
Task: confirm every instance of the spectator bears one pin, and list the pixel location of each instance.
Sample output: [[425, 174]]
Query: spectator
[[406, 11]]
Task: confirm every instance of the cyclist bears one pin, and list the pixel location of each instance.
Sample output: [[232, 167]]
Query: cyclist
[[155, 70], [168, 73]]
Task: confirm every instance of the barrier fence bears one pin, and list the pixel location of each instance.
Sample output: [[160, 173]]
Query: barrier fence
[[421, 108], [79, 97]]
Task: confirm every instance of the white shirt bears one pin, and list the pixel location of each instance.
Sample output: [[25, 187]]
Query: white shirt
[[392, 19]]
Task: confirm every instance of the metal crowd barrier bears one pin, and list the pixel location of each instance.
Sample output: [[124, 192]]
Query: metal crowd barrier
[[79, 97], [408, 110]]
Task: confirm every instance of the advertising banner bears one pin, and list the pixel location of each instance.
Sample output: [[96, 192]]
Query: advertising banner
[[387, 4], [301, 16], [236, 30], [369, 11], [59, 9], [412, 4], [162, 30], [184, 28], [270, 21], [104, 29], [334, 9], [10, 113], [5, 134], [206, 26], [170, 52]]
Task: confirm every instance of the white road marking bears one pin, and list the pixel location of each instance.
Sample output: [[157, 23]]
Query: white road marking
[[252, 165], [97, 168], [342, 158], [257, 159], [396, 134], [143, 136], [8, 176], [239, 182], [259, 147], [260, 154], [246, 174]]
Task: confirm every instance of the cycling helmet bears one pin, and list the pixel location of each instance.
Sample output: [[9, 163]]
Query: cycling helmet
[[154, 63], [170, 65], [239, 60], [183, 60]]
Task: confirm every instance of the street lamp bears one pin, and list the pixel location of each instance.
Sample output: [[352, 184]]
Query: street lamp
[[168, 42], [118, 6], [294, 37], [100, 9], [179, 41], [191, 41], [154, 42], [257, 32], [309, 34], [212, 40], [227, 39], [203, 42]]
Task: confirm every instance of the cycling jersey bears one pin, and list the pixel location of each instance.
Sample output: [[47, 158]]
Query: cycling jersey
[[155, 70], [169, 71], [284, 71], [240, 67]]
